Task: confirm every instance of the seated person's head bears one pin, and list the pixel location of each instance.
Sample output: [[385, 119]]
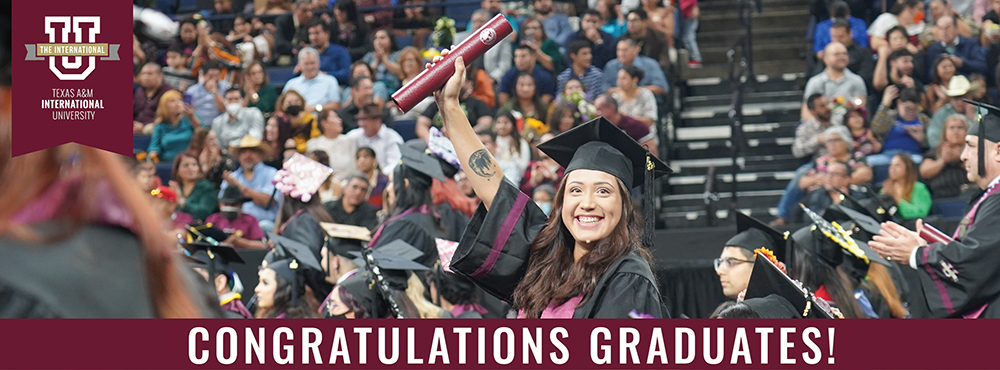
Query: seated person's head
[[819, 107], [908, 104], [734, 266], [838, 176]]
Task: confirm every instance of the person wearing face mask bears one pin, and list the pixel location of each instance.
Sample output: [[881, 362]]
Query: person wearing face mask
[[543, 196], [238, 121], [243, 228]]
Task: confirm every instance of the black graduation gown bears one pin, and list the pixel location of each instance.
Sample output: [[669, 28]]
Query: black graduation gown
[[96, 272], [975, 257], [305, 229], [494, 253], [454, 222], [418, 229]]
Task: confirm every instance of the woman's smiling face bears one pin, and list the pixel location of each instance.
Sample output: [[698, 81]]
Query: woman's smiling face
[[592, 205]]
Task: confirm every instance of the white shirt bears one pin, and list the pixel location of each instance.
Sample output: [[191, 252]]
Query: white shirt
[[342, 152], [248, 121], [385, 143], [884, 22], [321, 89]]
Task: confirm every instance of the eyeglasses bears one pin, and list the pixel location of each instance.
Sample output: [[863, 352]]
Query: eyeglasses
[[728, 262]]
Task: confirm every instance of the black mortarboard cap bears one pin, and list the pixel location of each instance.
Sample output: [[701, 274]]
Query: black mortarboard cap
[[874, 207], [394, 261], [207, 233], [362, 288], [214, 258], [767, 280], [839, 212], [292, 271], [343, 239], [601, 146], [422, 162], [233, 195], [448, 170], [979, 128], [773, 307], [286, 248], [833, 244], [753, 234]]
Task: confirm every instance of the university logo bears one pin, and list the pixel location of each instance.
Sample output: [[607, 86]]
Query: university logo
[[488, 36], [72, 49]]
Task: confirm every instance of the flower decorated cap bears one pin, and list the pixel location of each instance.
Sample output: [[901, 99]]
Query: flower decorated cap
[[442, 147], [446, 250], [751, 234], [301, 177], [775, 295]]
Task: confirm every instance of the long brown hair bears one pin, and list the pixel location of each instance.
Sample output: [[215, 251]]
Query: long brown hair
[[553, 277], [903, 190], [25, 178], [878, 276], [199, 140]]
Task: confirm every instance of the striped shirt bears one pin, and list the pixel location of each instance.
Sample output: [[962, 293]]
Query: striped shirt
[[593, 82]]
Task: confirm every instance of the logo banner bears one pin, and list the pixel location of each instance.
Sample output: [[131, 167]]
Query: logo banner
[[72, 75]]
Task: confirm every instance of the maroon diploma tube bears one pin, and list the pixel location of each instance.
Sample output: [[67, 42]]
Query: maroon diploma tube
[[434, 77]]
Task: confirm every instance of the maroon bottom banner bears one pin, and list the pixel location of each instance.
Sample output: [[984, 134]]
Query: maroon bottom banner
[[485, 344]]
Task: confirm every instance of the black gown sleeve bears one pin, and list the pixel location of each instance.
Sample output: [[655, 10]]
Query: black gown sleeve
[[961, 276], [494, 249], [630, 285]]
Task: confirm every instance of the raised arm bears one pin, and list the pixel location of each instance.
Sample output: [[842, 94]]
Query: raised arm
[[484, 173]]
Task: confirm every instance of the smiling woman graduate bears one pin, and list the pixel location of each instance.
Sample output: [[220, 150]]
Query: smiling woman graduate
[[585, 261]]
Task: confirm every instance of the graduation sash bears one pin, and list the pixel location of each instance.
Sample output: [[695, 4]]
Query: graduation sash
[[963, 228]]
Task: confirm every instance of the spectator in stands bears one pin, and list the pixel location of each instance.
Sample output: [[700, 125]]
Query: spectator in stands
[[243, 229], [497, 59], [809, 134], [562, 118], [543, 196], [556, 24], [321, 91], [418, 21], [913, 200], [580, 56], [937, 91], [661, 18], [223, 11], [654, 43], [628, 55], [372, 133], [494, 8], [239, 121], [206, 96], [146, 99], [857, 29], [901, 129], [526, 100], [480, 115], [547, 54], [833, 183], [353, 208], [334, 59], [243, 38], [510, 146], [691, 12], [213, 158], [958, 89], [294, 122], [612, 17], [176, 73], [257, 86], [165, 207], [965, 52], [574, 86], [367, 163], [836, 80], [362, 93], [542, 172], [195, 195], [174, 126], [144, 173], [941, 8], [906, 13], [330, 189], [340, 148], [602, 44], [859, 57], [254, 182], [379, 92], [353, 33], [838, 143], [187, 36], [489, 138], [291, 33], [278, 142], [524, 62], [898, 40], [377, 19], [942, 168], [384, 60], [633, 100], [864, 139], [638, 131], [273, 7], [899, 72]]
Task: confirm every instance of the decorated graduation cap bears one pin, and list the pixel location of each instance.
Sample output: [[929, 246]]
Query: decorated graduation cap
[[207, 233], [859, 226], [767, 284], [422, 161], [444, 150], [753, 234], [833, 245], [601, 146], [446, 250], [343, 239], [986, 127], [301, 177]]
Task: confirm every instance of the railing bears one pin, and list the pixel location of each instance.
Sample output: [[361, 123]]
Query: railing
[[741, 72]]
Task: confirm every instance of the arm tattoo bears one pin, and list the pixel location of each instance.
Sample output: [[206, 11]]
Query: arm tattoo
[[481, 164]]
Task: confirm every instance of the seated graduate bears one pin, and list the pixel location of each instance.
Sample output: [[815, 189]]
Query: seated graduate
[[337, 259], [587, 260], [212, 263], [283, 291], [830, 262], [453, 293], [313, 273], [736, 261], [301, 211], [772, 294], [380, 291]]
